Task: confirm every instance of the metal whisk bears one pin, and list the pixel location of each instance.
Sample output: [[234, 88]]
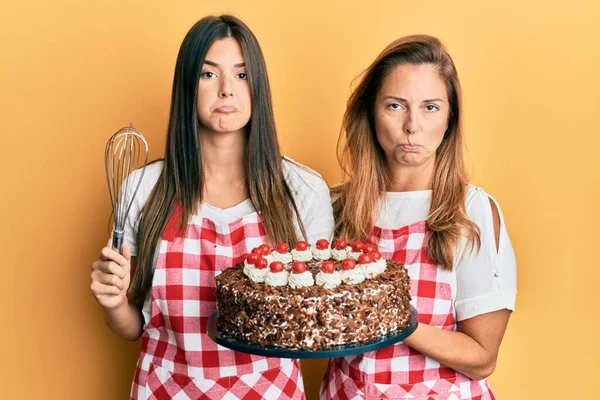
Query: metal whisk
[[126, 151]]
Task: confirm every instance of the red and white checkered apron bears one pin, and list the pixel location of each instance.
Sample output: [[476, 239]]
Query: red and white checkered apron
[[178, 360], [398, 371]]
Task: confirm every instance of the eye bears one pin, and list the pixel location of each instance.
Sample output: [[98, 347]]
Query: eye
[[243, 76], [431, 107], [393, 106], [208, 75]]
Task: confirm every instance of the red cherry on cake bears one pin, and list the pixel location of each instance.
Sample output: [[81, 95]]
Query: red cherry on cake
[[375, 255], [348, 264], [282, 248], [341, 244], [368, 248], [299, 267], [301, 245], [357, 246], [258, 251], [276, 266], [266, 249], [252, 257], [328, 267], [261, 263], [322, 244], [365, 259]]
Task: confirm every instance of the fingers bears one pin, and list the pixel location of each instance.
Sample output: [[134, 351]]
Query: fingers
[[101, 289], [109, 273], [108, 254], [109, 267], [126, 252], [108, 279]]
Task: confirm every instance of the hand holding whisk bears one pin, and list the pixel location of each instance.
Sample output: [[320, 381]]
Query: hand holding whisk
[[126, 151]]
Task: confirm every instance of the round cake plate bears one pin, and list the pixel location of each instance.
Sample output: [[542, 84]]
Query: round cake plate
[[335, 351]]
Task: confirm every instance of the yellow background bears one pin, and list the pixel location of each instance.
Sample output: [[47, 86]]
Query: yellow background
[[73, 72]]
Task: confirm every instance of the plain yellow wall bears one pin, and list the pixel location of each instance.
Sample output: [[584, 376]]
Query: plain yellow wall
[[73, 72]]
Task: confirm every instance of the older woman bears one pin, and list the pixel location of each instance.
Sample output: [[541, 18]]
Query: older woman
[[407, 191]]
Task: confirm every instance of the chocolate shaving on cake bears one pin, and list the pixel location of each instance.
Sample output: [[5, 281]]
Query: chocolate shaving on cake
[[312, 318]]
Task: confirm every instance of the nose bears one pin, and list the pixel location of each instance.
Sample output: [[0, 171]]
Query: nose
[[225, 90], [411, 124]]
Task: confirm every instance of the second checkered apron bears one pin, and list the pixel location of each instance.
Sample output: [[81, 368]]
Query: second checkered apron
[[178, 360], [398, 371]]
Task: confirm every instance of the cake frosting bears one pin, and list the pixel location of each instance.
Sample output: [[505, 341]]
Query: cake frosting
[[304, 279], [328, 281], [321, 254], [301, 255], [353, 276], [255, 274], [339, 255], [285, 258], [276, 278]]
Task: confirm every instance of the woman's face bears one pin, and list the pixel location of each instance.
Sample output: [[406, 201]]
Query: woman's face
[[224, 100], [411, 114]]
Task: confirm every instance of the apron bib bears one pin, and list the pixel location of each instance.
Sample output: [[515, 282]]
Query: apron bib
[[398, 371], [178, 359]]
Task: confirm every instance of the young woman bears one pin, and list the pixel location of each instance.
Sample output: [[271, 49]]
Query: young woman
[[407, 191], [221, 190]]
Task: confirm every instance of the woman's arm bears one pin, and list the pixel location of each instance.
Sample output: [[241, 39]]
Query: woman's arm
[[110, 279], [126, 321], [472, 350]]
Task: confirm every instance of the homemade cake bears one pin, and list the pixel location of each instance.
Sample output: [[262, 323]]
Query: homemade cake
[[313, 298]]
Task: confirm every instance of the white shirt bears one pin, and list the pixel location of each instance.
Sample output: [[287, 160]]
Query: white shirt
[[483, 281], [310, 192]]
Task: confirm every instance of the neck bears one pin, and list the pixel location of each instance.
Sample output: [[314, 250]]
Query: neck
[[405, 178], [223, 155]]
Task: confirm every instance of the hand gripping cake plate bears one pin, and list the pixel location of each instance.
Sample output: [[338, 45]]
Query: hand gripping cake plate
[[313, 299]]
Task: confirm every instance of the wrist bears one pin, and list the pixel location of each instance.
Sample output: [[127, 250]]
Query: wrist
[[117, 308], [416, 339]]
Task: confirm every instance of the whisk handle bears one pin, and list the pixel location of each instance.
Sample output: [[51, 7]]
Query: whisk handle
[[117, 241]]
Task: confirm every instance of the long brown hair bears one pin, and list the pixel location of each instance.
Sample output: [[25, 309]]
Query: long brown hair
[[363, 162], [182, 178]]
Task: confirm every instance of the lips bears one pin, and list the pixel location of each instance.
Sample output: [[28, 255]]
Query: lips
[[226, 109], [410, 147]]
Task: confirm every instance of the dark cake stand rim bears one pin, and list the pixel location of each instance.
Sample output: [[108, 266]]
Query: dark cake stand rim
[[337, 351]]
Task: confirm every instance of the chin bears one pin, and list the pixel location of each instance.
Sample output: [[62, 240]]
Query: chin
[[226, 127], [409, 160], [231, 125]]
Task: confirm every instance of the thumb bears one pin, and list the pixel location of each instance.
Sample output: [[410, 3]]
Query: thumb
[[125, 252]]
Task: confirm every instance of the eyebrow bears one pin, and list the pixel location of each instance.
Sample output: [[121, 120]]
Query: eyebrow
[[401, 99], [214, 64]]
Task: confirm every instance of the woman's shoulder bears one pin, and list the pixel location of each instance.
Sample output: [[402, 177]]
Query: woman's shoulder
[[480, 205], [302, 178], [149, 176], [477, 197]]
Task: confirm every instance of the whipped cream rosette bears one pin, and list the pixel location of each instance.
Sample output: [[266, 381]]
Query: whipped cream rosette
[[328, 277], [276, 275], [300, 276], [350, 273]]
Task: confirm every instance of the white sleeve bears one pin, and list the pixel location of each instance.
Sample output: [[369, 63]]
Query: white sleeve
[[311, 195], [151, 175], [486, 280], [147, 310]]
